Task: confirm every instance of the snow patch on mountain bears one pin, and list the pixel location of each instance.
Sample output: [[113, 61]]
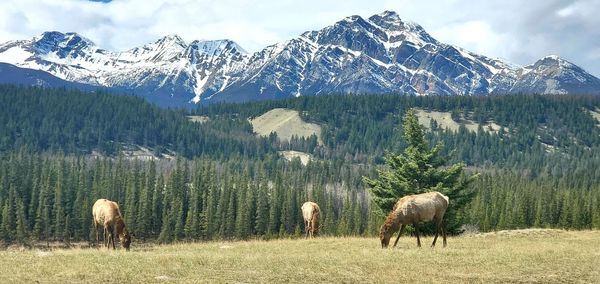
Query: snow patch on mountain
[[379, 54]]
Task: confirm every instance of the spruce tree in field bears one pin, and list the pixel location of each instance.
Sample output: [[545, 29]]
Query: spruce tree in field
[[420, 168]]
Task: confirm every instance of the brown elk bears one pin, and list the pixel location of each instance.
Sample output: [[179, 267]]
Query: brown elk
[[107, 214], [412, 210], [311, 213]]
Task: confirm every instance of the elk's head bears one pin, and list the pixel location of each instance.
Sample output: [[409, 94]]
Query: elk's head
[[385, 233], [125, 239]]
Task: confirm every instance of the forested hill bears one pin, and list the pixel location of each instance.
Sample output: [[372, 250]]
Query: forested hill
[[542, 134], [555, 134], [74, 122]]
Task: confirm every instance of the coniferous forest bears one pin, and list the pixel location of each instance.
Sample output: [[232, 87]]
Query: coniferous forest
[[61, 150]]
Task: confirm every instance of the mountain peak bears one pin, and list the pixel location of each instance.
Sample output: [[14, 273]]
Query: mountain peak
[[551, 60], [172, 38], [56, 37], [212, 47], [67, 42], [388, 14]]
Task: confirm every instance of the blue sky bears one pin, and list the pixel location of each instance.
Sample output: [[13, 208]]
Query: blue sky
[[518, 31]]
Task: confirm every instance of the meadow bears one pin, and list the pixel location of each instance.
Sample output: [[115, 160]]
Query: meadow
[[534, 255]]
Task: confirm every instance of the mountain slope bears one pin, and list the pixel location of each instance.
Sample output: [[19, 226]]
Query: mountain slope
[[10, 74], [380, 54]]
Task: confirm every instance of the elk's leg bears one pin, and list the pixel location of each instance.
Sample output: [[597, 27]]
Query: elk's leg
[[417, 233], [442, 227], [97, 235], [112, 236], [105, 235], [398, 238], [438, 225], [306, 229], [108, 235]]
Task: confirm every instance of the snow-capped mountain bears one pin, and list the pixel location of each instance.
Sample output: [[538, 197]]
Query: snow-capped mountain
[[169, 72], [381, 54]]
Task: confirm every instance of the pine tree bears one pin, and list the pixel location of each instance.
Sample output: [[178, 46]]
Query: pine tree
[[191, 220], [420, 169], [58, 209], [21, 223], [329, 216], [262, 210], [143, 217], [5, 226], [208, 221], [275, 208], [230, 214], [157, 208], [131, 198], [345, 225], [357, 216], [66, 235], [242, 214]]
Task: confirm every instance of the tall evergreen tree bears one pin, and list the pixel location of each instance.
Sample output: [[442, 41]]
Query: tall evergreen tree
[[420, 169]]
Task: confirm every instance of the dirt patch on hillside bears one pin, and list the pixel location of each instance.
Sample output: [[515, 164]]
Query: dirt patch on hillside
[[290, 155], [198, 118]]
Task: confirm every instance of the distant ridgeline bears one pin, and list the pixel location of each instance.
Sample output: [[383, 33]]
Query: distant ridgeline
[[381, 54], [61, 150]]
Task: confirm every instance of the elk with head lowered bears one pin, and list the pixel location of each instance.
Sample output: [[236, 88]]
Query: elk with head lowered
[[107, 214], [412, 210]]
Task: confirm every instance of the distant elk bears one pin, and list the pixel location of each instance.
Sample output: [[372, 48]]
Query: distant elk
[[107, 214], [414, 209], [311, 213]]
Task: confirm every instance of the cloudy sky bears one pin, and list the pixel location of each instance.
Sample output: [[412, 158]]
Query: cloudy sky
[[518, 31]]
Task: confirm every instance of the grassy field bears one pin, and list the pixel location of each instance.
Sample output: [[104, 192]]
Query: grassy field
[[286, 123], [444, 120], [545, 256]]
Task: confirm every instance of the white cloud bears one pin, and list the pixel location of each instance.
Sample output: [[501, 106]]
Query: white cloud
[[477, 36], [566, 11]]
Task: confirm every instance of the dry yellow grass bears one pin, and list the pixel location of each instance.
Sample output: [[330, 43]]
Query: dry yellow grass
[[543, 256], [286, 123], [444, 120]]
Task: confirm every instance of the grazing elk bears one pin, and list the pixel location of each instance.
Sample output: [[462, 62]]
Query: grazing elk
[[106, 214], [311, 214], [412, 210]]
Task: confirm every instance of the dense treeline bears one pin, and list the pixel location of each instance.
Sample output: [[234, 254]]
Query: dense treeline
[[49, 198], [70, 121], [507, 200]]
